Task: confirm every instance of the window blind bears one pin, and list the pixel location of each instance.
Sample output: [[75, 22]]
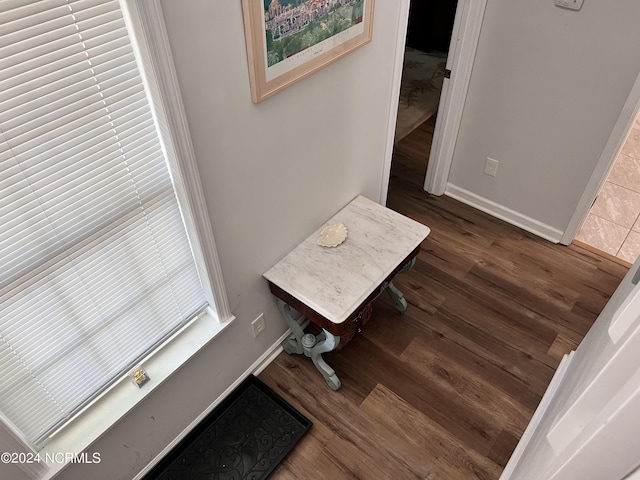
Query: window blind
[[96, 268]]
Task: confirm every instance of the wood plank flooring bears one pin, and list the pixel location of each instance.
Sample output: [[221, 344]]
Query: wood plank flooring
[[446, 390]]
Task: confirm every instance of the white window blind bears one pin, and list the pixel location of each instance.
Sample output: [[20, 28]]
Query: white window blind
[[95, 265]]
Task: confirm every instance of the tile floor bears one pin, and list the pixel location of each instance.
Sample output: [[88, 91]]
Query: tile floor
[[613, 224]]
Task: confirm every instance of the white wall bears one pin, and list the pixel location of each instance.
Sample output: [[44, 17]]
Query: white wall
[[547, 87], [272, 173]]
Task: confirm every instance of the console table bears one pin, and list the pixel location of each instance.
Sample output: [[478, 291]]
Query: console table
[[333, 287]]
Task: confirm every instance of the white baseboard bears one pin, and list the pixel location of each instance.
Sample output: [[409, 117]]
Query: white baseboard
[[507, 473], [504, 213], [258, 366]]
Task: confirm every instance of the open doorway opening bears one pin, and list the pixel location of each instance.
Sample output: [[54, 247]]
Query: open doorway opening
[[613, 223], [461, 52], [463, 43], [426, 49]]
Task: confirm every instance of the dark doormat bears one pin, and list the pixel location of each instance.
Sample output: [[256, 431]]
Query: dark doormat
[[244, 437]]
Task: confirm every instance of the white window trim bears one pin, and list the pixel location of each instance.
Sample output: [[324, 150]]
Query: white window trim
[[147, 21], [123, 396]]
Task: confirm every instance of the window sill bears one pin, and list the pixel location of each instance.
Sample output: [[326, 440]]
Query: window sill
[[123, 396]]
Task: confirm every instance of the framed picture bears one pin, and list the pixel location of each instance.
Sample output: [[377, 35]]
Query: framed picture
[[288, 40]]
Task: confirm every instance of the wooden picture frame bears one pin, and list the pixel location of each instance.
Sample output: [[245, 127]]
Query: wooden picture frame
[[287, 40]]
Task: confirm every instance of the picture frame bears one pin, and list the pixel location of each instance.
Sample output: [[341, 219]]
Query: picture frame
[[288, 40]]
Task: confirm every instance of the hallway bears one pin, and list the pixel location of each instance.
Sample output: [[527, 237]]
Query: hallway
[[445, 390]]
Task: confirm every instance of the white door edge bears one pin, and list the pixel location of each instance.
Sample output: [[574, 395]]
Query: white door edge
[[605, 162], [552, 389], [464, 42]]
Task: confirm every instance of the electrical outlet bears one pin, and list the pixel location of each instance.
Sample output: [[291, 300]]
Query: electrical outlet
[[491, 167], [570, 4], [258, 325]]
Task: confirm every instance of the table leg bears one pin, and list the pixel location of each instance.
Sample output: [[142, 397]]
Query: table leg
[[310, 345], [293, 344], [326, 344], [396, 295]]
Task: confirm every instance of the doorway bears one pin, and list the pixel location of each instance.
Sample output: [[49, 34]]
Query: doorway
[[613, 222], [425, 56], [469, 15]]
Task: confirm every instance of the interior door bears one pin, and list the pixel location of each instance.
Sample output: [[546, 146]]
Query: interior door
[[462, 50], [586, 425]]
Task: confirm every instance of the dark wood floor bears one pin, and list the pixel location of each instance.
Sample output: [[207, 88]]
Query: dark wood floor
[[446, 390]]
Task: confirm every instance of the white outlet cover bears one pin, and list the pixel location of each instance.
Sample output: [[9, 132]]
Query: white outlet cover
[[570, 4], [258, 325], [491, 167]]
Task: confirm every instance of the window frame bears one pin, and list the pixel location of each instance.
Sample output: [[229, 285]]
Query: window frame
[[145, 21], [151, 42]]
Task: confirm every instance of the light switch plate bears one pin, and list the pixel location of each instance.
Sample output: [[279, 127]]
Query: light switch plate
[[570, 4]]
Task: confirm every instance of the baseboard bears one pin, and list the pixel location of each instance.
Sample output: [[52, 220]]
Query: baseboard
[[507, 473], [504, 213], [260, 364]]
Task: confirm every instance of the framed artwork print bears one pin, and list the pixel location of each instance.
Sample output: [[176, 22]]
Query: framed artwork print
[[288, 40]]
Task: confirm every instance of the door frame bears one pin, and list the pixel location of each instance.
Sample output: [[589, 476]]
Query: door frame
[[466, 31], [605, 163]]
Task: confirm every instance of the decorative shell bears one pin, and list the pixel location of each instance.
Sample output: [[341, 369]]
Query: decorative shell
[[332, 235]]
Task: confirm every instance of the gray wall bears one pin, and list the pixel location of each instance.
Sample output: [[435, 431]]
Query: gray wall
[[272, 172], [547, 87]]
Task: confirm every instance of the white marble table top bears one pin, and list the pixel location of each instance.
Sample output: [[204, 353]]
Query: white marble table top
[[334, 281]]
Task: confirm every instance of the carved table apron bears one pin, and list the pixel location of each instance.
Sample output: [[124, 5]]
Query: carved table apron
[[333, 287]]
